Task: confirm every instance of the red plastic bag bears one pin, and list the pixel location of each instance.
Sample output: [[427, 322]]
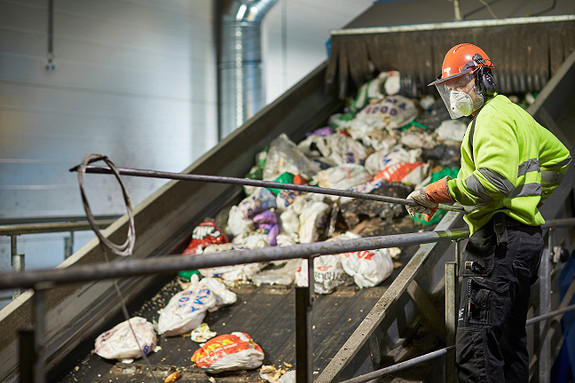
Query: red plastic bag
[[206, 233], [228, 352], [408, 173]]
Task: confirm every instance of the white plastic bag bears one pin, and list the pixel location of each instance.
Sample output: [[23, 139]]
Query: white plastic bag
[[376, 138], [342, 177], [313, 221], [328, 274], [414, 139], [224, 297], [392, 84], [306, 218], [186, 310], [119, 343], [283, 275], [237, 223], [229, 352], [230, 275], [252, 240], [367, 267], [289, 222], [284, 156], [391, 113], [384, 158], [335, 149], [451, 130]]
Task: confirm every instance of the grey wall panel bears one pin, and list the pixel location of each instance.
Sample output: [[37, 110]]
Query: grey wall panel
[[91, 76], [133, 79], [293, 49]]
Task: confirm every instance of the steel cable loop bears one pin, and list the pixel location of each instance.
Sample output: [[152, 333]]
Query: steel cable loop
[[124, 249], [127, 247]]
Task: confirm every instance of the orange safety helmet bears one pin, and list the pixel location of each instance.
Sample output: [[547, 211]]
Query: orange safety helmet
[[462, 59], [462, 63]]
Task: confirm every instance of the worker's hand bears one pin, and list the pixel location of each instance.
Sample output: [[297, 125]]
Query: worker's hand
[[424, 204]]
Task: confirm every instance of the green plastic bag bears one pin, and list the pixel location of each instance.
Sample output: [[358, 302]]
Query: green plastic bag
[[284, 178], [439, 214], [188, 274]]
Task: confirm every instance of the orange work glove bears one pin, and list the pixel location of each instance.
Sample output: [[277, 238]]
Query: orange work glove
[[437, 192]]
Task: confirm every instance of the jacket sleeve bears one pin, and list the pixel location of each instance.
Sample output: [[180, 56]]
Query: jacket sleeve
[[496, 155], [554, 161]]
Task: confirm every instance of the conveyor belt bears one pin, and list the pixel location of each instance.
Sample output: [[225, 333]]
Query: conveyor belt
[[266, 313]]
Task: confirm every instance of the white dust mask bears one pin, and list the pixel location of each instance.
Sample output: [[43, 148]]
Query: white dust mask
[[462, 104]]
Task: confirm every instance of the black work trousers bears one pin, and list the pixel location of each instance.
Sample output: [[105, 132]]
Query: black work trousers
[[499, 265]]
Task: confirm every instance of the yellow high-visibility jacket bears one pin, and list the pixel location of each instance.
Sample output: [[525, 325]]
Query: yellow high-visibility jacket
[[509, 163]]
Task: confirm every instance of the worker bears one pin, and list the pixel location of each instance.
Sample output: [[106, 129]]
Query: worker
[[509, 164]]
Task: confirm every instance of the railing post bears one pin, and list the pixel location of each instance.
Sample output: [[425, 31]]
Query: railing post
[[303, 321], [69, 245], [451, 280], [39, 335], [18, 262], [545, 307]]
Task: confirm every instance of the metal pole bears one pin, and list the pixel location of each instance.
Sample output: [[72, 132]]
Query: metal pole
[[545, 307], [450, 317], [173, 263], [13, 250], [550, 314], [39, 335], [266, 184], [41, 228], [451, 306], [27, 355], [17, 262], [303, 324], [18, 265], [69, 245], [400, 366], [547, 329]]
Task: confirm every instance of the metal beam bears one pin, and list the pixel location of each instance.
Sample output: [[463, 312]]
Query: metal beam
[[174, 263]]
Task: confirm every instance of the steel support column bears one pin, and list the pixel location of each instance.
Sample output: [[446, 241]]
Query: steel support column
[[303, 328]]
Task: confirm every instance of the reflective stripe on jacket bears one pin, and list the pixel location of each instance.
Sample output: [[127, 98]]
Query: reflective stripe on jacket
[[511, 164]]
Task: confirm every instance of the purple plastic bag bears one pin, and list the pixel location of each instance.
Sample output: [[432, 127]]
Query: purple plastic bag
[[268, 221], [325, 131]]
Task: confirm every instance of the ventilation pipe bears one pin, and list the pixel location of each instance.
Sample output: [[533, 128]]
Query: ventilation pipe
[[241, 90]]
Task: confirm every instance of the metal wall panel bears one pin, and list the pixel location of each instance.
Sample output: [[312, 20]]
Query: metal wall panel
[[133, 79]]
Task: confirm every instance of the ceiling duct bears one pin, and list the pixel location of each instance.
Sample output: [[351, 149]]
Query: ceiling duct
[[241, 90]]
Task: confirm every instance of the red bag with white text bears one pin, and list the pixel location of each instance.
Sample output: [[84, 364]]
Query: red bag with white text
[[228, 352], [408, 173], [206, 233]]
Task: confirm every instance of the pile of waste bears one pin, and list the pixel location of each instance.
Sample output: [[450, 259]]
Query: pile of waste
[[383, 143]]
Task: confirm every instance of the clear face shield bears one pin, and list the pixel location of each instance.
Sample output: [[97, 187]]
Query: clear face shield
[[460, 95]]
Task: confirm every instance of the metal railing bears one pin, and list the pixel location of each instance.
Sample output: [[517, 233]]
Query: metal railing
[[451, 283], [70, 225], [40, 280]]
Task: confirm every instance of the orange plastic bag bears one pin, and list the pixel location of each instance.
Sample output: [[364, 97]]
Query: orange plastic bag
[[228, 352]]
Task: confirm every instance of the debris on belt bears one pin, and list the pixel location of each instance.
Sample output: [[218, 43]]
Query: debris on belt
[[229, 352]]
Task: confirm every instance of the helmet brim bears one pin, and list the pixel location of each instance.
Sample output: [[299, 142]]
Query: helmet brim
[[443, 80]]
